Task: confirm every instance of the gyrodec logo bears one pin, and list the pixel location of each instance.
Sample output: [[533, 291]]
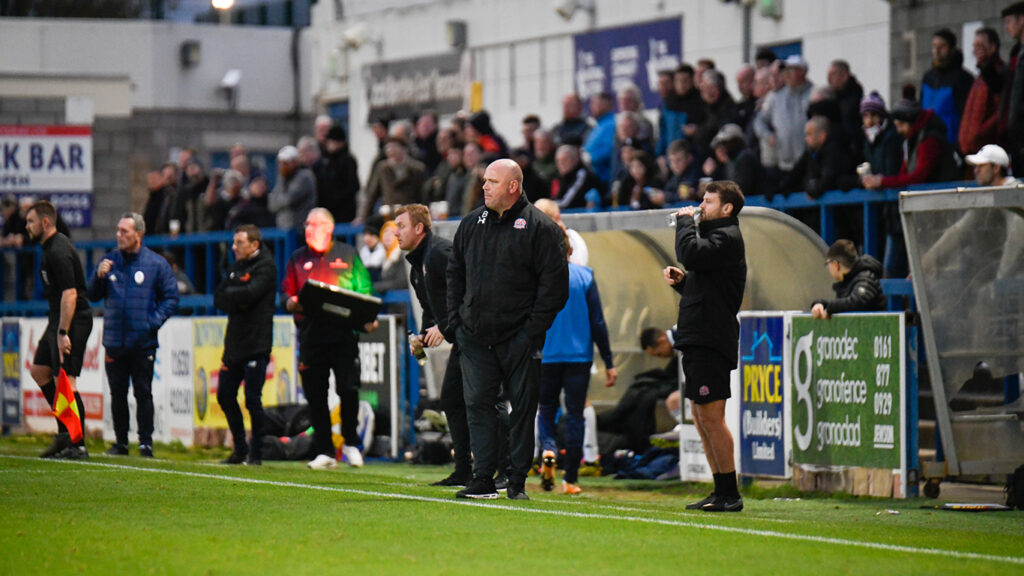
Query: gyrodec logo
[[802, 371]]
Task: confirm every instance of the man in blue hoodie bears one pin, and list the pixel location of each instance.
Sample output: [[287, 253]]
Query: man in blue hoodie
[[945, 86], [139, 294]]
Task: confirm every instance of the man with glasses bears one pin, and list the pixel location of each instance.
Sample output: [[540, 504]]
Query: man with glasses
[[857, 287]]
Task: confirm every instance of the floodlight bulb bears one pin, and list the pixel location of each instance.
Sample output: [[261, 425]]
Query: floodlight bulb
[[222, 4]]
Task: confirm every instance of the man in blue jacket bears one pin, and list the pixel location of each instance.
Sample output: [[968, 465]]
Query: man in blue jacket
[[139, 294]]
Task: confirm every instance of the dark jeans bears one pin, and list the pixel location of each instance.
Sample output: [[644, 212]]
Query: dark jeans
[[315, 367], [514, 365], [254, 372], [574, 378], [131, 368]]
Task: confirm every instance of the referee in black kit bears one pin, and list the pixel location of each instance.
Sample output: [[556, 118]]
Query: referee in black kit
[[69, 321], [508, 278]]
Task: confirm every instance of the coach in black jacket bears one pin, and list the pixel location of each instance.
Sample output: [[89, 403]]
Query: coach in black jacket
[[857, 287], [707, 331], [247, 295], [428, 260], [508, 278]]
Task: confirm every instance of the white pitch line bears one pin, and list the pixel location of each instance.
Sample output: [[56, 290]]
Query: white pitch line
[[587, 515]]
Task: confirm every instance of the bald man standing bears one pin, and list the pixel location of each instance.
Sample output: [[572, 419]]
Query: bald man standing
[[508, 278]]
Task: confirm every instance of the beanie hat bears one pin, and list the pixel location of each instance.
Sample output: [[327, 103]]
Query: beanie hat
[[873, 103]]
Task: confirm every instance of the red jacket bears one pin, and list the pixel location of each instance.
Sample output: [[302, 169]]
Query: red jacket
[[980, 123]]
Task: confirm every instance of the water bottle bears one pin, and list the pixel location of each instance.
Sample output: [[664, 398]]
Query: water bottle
[[417, 349]]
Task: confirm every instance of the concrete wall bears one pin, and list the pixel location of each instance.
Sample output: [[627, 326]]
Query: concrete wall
[[522, 51]]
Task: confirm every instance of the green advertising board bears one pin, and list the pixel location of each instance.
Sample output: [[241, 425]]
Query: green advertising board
[[847, 391]]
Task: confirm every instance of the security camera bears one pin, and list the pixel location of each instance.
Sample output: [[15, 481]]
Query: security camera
[[355, 36], [566, 8], [231, 79]]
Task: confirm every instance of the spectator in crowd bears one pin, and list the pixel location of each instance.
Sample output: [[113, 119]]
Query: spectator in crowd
[[733, 160], [530, 125], [309, 152], [782, 120], [425, 142], [688, 100], [927, 155], [764, 58], [856, 282], [159, 205], [991, 166], [643, 188], [627, 135], [544, 156], [500, 305], [321, 126], [436, 185], [684, 173], [823, 163], [397, 180], [720, 109], [568, 356], [380, 127], [575, 181], [980, 122], [405, 131], [337, 177], [533, 186], [768, 83], [574, 128], [372, 252], [325, 343], [253, 210], [240, 163], [294, 194], [454, 185], [600, 144], [848, 92], [475, 162], [945, 86], [747, 105], [185, 286], [479, 130], [194, 182], [247, 295], [670, 123], [630, 99], [703, 65], [1011, 106], [139, 294], [624, 152], [883, 154], [219, 204], [14, 235]]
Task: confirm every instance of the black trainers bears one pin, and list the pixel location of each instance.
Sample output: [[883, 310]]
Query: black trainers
[[117, 450], [59, 444], [234, 458], [145, 450], [517, 492], [702, 503], [253, 461], [73, 453], [454, 479], [724, 504], [479, 489], [501, 483]]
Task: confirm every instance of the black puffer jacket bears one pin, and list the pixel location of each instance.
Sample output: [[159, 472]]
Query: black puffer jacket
[[428, 275], [507, 275], [247, 294], [716, 275], [860, 290]]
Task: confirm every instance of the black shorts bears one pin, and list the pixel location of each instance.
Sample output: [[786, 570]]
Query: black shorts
[[47, 353], [707, 375]]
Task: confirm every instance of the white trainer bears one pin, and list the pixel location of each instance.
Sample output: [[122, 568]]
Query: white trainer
[[352, 455], [322, 462]]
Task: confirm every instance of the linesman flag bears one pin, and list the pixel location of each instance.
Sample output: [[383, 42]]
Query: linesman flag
[[66, 409]]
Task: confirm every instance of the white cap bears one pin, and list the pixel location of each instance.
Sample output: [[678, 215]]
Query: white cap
[[796, 61], [288, 154], [989, 154]]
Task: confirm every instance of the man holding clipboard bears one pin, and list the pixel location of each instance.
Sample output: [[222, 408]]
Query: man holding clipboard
[[327, 339]]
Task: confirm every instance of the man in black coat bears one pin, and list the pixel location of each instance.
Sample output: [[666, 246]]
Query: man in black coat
[[428, 260], [857, 287], [247, 294], [337, 177], [707, 332], [508, 278]]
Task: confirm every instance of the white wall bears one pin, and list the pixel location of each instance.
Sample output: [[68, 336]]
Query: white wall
[[148, 54], [530, 34]]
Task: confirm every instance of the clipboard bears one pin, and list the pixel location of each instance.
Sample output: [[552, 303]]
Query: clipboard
[[351, 309]]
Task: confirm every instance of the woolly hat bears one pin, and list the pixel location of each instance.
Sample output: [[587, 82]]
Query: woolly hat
[[906, 110], [873, 103]]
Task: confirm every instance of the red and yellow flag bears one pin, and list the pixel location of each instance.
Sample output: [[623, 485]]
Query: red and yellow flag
[[65, 407]]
